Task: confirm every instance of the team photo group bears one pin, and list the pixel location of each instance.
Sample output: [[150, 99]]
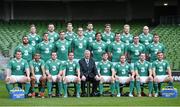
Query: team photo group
[[87, 56]]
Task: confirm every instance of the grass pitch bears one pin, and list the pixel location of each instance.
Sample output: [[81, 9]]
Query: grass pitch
[[89, 101]]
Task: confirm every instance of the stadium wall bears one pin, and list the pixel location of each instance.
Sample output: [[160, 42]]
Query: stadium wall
[[79, 10]]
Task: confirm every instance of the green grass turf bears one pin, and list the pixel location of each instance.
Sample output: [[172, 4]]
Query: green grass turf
[[89, 101]]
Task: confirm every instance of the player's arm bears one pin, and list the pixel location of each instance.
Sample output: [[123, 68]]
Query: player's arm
[[32, 70], [169, 70], [43, 70], [78, 73], [150, 71]]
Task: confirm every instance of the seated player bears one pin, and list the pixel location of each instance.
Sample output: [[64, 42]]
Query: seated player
[[161, 72], [18, 72], [143, 74], [38, 74], [71, 74], [124, 75], [106, 73], [54, 74]]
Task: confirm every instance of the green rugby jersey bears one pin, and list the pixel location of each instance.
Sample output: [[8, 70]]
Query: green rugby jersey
[[45, 49], [18, 67], [79, 45], [53, 36], [127, 39], [53, 66], [62, 47], [123, 70], [97, 48], [117, 49], [152, 50], [142, 68], [90, 35], [27, 51], [134, 51], [71, 68], [160, 67], [37, 65], [145, 39], [105, 68], [108, 37], [34, 39]]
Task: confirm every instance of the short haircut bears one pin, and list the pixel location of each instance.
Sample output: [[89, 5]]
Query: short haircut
[[107, 25], [98, 33]]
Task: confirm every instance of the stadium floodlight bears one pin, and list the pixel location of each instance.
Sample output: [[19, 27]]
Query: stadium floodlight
[[165, 4]]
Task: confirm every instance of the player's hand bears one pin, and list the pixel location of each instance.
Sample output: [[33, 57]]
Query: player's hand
[[28, 79], [7, 79], [83, 78]]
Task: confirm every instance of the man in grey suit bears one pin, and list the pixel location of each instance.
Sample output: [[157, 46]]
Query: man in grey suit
[[88, 73]]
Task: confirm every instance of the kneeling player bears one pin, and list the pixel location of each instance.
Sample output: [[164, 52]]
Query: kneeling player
[[106, 73], [38, 74], [124, 75], [71, 74], [18, 72], [143, 74], [161, 72], [54, 73]]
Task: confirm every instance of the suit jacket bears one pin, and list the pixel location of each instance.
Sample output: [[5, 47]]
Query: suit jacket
[[88, 71]]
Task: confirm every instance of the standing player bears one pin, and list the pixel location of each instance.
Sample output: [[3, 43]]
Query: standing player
[[145, 38], [52, 35], [108, 36], [63, 47], [124, 74], [98, 47], [38, 74], [54, 73], [155, 47], [135, 49], [126, 37], [143, 74], [90, 33], [79, 45], [71, 73], [117, 49], [26, 49], [45, 48], [106, 73], [70, 35], [161, 72], [18, 72], [33, 38]]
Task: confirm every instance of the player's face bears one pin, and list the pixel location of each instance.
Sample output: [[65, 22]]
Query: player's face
[[18, 55], [107, 28], [118, 37], [80, 32], [126, 30], [37, 57], [146, 30], [123, 59], [45, 37], [136, 39], [160, 56], [71, 56], [25, 40], [33, 30], [142, 57], [105, 57], [98, 37], [62, 35], [53, 55], [69, 28], [90, 27], [156, 38], [87, 55], [51, 28]]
